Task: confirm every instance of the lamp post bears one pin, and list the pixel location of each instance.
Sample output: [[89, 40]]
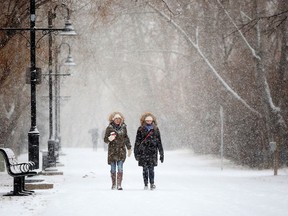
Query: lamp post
[[69, 31], [51, 142], [68, 62], [33, 134]]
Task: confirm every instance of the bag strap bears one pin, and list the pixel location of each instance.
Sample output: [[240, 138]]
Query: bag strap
[[146, 136]]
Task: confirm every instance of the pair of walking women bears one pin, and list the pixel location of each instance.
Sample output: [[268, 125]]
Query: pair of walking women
[[147, 145]]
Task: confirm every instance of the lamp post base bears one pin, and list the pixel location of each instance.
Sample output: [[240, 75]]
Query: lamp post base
[[57, 149], [51, 153], [33, 147]]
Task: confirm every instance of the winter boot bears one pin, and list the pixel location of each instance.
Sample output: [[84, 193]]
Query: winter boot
[[119, 180], [113, 177], [152, 186]]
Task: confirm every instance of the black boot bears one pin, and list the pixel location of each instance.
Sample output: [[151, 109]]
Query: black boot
[[145, 177]]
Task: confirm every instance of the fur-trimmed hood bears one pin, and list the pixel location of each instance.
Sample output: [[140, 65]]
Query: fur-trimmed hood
[[110, 119], [142, 119]]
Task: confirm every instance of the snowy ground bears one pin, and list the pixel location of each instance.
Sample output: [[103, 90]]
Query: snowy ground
[[187, 185]]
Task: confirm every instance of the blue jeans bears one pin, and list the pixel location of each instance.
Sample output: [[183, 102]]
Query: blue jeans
[[119, 165]]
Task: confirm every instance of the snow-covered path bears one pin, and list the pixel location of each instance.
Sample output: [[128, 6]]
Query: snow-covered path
[[187, 184]]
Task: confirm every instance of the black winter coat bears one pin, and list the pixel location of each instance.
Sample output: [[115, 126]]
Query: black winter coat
[[146, 150]]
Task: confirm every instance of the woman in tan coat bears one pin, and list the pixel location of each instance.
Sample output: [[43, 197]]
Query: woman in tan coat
[[117, 139]]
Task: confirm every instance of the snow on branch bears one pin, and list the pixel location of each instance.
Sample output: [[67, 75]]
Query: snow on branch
[[165, 3], [270, 101], [245, 15], [276, 110], [196, 46], [240, 32]]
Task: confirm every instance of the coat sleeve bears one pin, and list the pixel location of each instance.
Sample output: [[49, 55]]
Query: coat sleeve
[[127, 140], [107, 134], [137, 144], [159, 143]]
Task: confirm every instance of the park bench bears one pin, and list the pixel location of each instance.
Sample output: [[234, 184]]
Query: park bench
[[18, 171]]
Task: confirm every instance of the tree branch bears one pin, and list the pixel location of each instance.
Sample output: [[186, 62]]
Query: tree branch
[[196, 46], [240, 32]]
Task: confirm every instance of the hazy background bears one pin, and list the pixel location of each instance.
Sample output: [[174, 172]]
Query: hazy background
[[181, 60]]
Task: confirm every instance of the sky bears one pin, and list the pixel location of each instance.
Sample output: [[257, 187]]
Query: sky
[[187, 184]]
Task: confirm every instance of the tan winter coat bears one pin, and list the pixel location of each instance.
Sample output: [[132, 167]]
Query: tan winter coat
[[117, 147]]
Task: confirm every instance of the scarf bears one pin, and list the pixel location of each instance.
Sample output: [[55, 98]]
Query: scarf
[[116, 127], [149, 127]]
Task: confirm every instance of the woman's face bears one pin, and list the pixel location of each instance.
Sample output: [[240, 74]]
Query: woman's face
[[148, 121], [117, 121]]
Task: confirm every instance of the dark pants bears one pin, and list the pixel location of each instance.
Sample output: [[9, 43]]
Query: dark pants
[[148, 171]]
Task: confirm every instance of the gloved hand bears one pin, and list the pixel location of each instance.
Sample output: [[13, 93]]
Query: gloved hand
[[111, 138], [162, 158], [136, 157], [129, 152]]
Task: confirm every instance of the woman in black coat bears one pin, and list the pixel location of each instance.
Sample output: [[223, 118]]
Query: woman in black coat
[[147, 144]]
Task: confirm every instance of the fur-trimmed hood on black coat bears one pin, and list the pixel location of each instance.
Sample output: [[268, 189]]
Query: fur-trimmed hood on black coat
[[148, 143]]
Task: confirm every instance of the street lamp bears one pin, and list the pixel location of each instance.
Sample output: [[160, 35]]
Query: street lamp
[[68, 31], [33, 134], [68, 62]]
